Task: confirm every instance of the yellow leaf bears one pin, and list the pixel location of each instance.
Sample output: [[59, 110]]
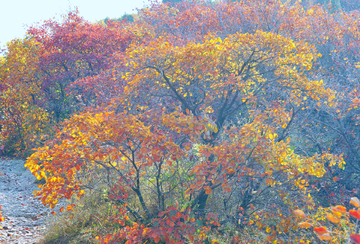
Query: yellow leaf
[[300, 213], [333, 219], [304, 225], [355, 201], [325, 237]]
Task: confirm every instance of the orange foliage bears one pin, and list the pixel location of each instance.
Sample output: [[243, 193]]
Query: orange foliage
[[190, 117]]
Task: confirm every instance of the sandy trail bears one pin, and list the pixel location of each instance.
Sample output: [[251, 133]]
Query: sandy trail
[[24, 215]]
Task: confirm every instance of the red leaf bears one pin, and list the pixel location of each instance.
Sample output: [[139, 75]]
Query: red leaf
[[170, 223], [354, 213], [355, 238], [340, 209], [157, 239], [230, 171], [320, 230]]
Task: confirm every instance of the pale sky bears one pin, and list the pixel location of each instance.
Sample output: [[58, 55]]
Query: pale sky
[[17, 15]]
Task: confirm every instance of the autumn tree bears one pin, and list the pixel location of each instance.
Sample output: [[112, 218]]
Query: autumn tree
[[71, 50], [37, 72], [218, 90], [330, 33], [24, 122], [199, 114]]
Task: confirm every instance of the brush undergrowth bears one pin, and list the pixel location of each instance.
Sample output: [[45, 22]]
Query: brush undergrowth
[[90, 217]]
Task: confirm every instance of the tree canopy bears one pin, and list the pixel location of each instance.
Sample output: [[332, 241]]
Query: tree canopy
[[195, 116]]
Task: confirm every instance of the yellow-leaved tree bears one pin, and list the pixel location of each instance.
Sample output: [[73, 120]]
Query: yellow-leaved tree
[[24, 123]]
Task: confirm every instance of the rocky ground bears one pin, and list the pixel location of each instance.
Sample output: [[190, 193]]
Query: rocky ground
[[24, 216]]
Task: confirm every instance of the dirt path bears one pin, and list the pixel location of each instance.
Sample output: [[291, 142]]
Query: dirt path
[[24, 216]]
